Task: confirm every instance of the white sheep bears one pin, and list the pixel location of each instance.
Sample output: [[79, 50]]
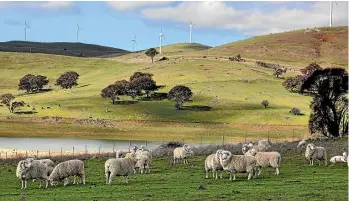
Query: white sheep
[[237, 164], [122, 154], [340, 159], [312, 153], [260, 147], [182, 153], [32, 170], [119, 167], [50, 164], [66, 169], [212, 162], [144, 158], [264, 143], [267, 159]]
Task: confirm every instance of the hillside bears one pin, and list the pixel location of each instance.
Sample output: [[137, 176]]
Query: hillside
[[61, 48], [294, 46], [234, 91], [172, 50]]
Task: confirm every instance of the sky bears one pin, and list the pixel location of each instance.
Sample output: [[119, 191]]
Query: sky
[[115, 23]]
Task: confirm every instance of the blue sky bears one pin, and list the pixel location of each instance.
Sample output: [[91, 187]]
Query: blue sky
[[114, 23]]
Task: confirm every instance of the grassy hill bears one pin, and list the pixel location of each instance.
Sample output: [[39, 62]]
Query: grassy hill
[[172, 50], [295, 47], [233, 90], [61, 48]]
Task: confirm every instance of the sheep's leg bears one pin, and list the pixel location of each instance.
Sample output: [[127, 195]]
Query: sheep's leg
[[107, 174], [206, 174], [249, 176], [40, 183], [230, 176], [259, 170], [75, 182], [25, 184], [83, 179], [126, 179], [277, 171], [234, 177], [216, 173], [221, 174], [212, 173], [46, 183], [22, 184]]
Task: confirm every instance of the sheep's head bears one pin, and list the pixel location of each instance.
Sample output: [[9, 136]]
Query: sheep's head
[[187, 148], [250, 145], [52, 183], [30, 159], [345, 154], [253, 151], [226, 155], [245, 148], [134, 148]]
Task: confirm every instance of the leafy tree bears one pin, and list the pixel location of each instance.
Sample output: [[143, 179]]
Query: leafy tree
[[293, 83], [114, 90], [32, 83], [137, 75], [310, 69], [151, 53], [279, 71], [133, 90], [295, 111], [265, 103], [67, 80], [180, 94], [145, 83], [329, 88], [6, 100], [15, 105]]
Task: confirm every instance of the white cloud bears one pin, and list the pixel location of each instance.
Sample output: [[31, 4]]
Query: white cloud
[[56, 4], [126, 5], [38, 4], [251, 21]]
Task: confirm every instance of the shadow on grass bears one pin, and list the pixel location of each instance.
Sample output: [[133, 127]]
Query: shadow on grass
[[85, 85], [26, 112], [126, 102], [197, 108], [38, 92], [155, 96]]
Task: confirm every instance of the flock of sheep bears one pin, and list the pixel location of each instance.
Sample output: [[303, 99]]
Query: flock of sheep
[[253, 159]]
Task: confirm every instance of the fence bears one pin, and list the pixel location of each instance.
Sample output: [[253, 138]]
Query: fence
[[199, 141]]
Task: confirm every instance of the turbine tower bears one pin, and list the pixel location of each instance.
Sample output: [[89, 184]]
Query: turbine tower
[[77, 33], [190, 32], [25, 31], [331, 8], [133, 43], [161, 35]]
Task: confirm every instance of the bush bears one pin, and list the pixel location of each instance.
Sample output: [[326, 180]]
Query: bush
[[295, 111]]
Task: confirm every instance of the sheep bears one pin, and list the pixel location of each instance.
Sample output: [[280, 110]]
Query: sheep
[[182, 153], [212, 163], [50, 164], [119, 167], [66, 169], [339, 159], [260, 147], [32, 170], [142, 163], [267, 159], [265, 143], [318, 153], [122, 154], [238, 164], [301, 144]]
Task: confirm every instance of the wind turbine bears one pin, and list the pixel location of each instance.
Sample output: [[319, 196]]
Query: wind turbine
[[25, 31], [191, 27], [161, 35], [133, 43], [77, 34], [331, 7]]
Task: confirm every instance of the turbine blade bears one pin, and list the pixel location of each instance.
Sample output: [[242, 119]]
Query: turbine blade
[[136, 42], [336, 3]]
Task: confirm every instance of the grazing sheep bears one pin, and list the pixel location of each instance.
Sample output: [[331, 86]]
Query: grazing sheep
[[301, 144], [260, 147], [267, 159], [182, 153], [122, 154], [212, 163], [119, 167], [339, 159], [143, 163], [49, 163], [66, 169], [237, 164], [318, 153], [32, 170]]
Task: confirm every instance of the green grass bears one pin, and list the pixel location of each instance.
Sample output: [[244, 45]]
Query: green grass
[[297, 181]]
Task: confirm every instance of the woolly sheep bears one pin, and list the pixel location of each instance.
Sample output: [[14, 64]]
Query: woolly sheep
[[339, 159], [144, 158], [122, 154], [267, 159], [182, 153], [312, 152], [237, 164], [259, 147], [66, 169], [264, 143], [212, 162], [32, 170], [119, 167]]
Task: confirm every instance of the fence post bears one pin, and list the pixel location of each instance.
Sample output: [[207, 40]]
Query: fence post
[[0, 155], [245, 137], [61, 152], [6, 155], [268, 137], [222, 140], [26, 154], [85, 149], [73, 151], [146, 143], [114, 147], [129, 146], [99, 150], [16, 154], [37, 154], [49, 153]]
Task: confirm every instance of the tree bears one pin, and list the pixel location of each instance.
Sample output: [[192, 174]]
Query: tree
[[6, 100], [180, 94], [329, 88], [145, 83], [279, 71], [32, 83], [308, 70], [114, 90], [133, 90], [67, 80], [265, 103], [295, 111], [137, 75], [293, 83], [15, 105], [151, 53]]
